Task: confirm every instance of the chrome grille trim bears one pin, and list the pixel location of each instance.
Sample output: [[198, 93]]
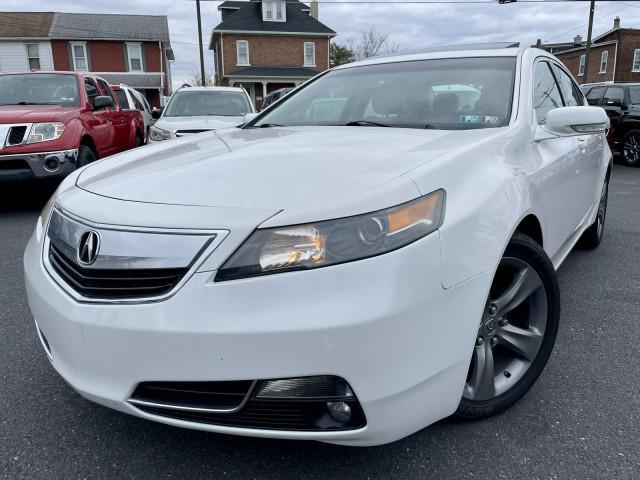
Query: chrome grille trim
[[195, 247]]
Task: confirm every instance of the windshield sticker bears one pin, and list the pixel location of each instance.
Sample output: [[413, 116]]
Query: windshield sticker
[[486, 119]]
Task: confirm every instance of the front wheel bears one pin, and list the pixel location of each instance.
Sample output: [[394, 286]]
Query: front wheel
[[85, 156], [517, 331]]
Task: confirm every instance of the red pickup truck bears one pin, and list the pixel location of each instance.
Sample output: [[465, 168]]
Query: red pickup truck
[[52, 123]]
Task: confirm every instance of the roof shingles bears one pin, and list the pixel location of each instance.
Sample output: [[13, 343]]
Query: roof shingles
[[248, 18]]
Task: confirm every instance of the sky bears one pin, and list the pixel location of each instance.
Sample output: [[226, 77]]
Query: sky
[[412, 26]]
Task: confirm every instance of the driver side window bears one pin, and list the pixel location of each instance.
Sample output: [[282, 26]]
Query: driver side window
[[91, 89], [546, 95]]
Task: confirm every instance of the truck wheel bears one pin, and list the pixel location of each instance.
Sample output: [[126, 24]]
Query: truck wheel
[[85, 156], [631, 149]]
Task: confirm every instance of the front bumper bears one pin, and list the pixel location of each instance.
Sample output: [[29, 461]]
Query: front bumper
[[384, 324], [24, 166]]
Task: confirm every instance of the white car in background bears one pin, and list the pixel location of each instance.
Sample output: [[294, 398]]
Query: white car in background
[[373, 253], [131, 99], [200, 109]]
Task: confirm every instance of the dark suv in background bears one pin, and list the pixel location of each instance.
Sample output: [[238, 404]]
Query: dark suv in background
[[622, 103]]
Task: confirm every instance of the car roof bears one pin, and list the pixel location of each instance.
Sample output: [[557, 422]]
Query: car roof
[[502, 49]]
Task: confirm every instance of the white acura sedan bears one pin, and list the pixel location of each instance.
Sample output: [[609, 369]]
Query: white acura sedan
[[373, 253]]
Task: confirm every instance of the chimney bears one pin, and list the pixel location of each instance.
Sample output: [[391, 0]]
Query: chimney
[[314, 9], [616, 22], [577, 41]]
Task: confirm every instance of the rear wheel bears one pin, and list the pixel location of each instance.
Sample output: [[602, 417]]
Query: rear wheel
[[631, 149], [85, 156], [517, 331]]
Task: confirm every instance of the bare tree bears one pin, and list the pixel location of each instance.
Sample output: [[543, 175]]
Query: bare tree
[[371, 43], [196, 81]]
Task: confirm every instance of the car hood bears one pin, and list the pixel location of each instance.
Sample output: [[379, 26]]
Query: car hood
[[197, 123], [34, 113], [271, 167]]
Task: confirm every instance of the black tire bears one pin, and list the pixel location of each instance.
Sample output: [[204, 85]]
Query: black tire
[[139, 141], [527, 252], [630, 151], [85, 156], [592, 236]]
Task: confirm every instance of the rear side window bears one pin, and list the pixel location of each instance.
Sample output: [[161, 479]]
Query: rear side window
[[634, 95], [613, 96], [122, 98], [546, 95], [570, 91], [593, 97]]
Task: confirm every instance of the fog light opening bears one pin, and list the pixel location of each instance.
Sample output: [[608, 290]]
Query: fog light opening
[[51, 163], [339, 411]]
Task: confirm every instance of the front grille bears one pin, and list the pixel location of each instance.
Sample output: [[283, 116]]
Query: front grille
[[270, 415], [16, 135], [239, 404], [180, 133], [212, 395], [14, 165], [114, 283]]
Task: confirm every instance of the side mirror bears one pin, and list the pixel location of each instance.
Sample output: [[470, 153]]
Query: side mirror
[[248, 117], [102, 101], [156, 113], [572, 121]]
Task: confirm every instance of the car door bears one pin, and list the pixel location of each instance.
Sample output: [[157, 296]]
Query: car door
[[589, 170], [121, 140], [146, 114], [99, 120], [559, 189]]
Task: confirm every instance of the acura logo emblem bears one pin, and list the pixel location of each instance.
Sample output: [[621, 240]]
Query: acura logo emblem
[[88, 248]]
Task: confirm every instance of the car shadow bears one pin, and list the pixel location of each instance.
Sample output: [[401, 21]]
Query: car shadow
[[24, 196]]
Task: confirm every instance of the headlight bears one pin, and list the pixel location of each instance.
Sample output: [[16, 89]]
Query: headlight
[[42, 132], [313, 245], [158, 134]]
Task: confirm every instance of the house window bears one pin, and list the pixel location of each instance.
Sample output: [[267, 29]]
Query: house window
[[583, 60], [79, 56], [33, 56], [274, 11], [309, 54], [636, 60], [604, 60], [134, 54], [242, 52]]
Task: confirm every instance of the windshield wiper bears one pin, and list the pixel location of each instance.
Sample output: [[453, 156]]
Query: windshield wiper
[[269, 125], [365, 123]]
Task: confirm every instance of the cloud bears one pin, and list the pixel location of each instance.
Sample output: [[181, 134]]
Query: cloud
[[413, 26]]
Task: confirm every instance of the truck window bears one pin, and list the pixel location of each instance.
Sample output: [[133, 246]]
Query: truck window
[[122, 98], [91, 89], [106, 91]]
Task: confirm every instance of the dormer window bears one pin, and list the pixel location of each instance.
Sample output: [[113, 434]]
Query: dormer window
[[274, 11]]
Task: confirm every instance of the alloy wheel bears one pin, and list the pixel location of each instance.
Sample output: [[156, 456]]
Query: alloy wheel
[[631, 149], [511, 331]]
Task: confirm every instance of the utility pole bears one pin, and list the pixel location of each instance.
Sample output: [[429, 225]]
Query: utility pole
[[588, 49], [202, 77]]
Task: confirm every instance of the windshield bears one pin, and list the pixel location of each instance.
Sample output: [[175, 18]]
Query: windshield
[[39, 89], [454, 93], [201, 103]]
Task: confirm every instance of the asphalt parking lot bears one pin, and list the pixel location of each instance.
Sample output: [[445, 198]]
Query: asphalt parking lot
[[581, 420]]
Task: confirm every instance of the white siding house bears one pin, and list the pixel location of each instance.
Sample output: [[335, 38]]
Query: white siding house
[[20, 56]]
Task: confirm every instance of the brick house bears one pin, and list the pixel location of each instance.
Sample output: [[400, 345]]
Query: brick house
[[614, 56], [265, 45], [131, 49]]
